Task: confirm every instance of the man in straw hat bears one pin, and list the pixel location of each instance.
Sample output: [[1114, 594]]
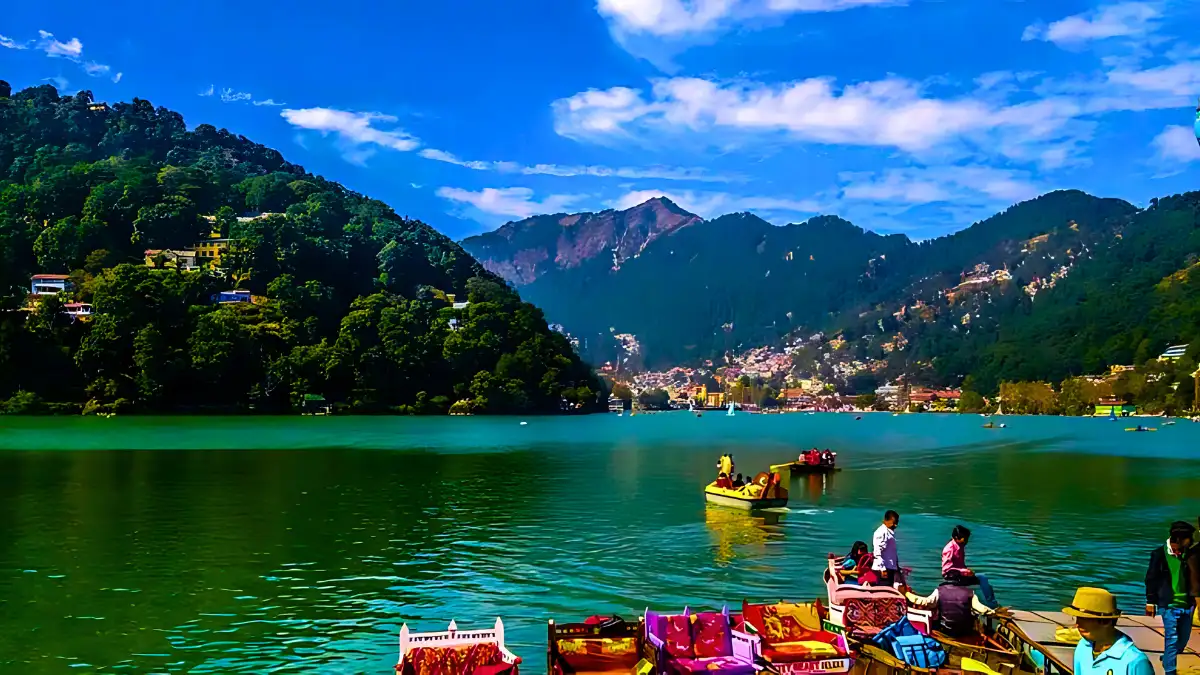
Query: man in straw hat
[[1103, 650]]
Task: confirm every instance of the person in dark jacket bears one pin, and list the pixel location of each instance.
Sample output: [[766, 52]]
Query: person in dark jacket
[[1170, 593], [956, 605]]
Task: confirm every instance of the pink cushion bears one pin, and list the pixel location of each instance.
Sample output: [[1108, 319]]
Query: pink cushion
[[710, 636], [679, 636], [725, 665]]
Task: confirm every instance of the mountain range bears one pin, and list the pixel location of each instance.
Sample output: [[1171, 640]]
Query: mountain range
[[691, 289]]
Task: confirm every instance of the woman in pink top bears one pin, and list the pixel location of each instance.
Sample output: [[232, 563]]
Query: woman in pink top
[[954, 566]]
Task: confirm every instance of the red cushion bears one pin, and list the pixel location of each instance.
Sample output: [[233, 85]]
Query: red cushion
[[463, 660], [710, 636], [679, 636]]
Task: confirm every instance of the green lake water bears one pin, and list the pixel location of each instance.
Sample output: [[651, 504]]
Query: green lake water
[[300, 545]]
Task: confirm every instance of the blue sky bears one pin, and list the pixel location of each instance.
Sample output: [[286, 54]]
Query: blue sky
[[914, 116]]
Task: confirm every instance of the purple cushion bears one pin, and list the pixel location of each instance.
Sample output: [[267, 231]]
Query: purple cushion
[[726, 665]]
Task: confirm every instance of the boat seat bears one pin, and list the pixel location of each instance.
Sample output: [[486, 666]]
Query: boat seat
[[726, 665]]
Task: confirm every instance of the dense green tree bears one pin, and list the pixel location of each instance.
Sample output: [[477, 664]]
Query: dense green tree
[[350, 300]]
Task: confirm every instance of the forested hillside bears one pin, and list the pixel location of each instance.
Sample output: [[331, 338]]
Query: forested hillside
[[350, 300], [1135, 293], [738, 281]]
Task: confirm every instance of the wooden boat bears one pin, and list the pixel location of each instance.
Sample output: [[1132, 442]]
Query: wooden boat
[[601, 644], [764, 492], [872, 660], [793, 638], [471, 649], [701, 642], [986, 646], [862, 611], [1140, 429]]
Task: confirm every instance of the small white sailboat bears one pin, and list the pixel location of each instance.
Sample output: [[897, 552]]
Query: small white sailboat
[[730, 412]]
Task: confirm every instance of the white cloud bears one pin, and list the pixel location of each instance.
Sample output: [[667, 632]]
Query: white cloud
[[887, 113], [11, 43], [656, 172], [1176, 145], [1178, 79], [117, 78], [713, 204], [356, 131], [926, 185], [60, 83], [514, 202], [1126, 19], [209, 91], [96, 69], [678, 17], [269, 101], [228, 95], [71, 49]]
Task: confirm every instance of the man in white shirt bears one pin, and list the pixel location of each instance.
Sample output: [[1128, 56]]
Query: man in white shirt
[[886, 562]]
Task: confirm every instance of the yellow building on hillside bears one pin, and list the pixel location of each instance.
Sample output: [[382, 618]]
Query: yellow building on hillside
[[209, 251]]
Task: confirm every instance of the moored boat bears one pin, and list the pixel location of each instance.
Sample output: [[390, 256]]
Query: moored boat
[[984, 646], [862, 611], [794, 638], [703, 642], [469, 650], [600, 644]]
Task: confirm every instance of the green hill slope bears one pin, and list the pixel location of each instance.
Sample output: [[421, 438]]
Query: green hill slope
[[351, 299]]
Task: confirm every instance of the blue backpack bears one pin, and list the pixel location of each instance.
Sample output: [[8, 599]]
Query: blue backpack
[[905, 642]]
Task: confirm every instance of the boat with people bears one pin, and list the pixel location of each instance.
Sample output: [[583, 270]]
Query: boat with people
[[764, 491], [812, 461], [1140, 428]]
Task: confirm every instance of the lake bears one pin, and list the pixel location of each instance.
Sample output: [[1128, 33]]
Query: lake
[[300, 545]]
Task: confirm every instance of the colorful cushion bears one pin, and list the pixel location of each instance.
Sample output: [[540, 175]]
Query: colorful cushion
[[710, 635], [461, 660], [725, 665], [871, 614], [805, 648], [594, 655], [679, 636]]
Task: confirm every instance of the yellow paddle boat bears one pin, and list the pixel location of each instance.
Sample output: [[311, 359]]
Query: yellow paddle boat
[[765, 491]]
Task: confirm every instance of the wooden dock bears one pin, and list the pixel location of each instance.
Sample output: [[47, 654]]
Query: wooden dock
[[1035, 632]]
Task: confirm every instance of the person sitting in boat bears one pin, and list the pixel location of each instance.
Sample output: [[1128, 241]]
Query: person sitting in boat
[[813, 458], [856, 566], [954, 565], [739, 482], [956, 607], [828, 458]]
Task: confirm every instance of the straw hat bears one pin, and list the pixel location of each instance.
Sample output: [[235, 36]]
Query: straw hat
[[1093, 603]]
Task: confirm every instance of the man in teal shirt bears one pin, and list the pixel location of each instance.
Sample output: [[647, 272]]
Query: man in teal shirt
[[1169, 593], [1103, 650]]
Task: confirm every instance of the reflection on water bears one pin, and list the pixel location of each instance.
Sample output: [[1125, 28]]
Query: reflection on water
[[736, 532], [274, 558]]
